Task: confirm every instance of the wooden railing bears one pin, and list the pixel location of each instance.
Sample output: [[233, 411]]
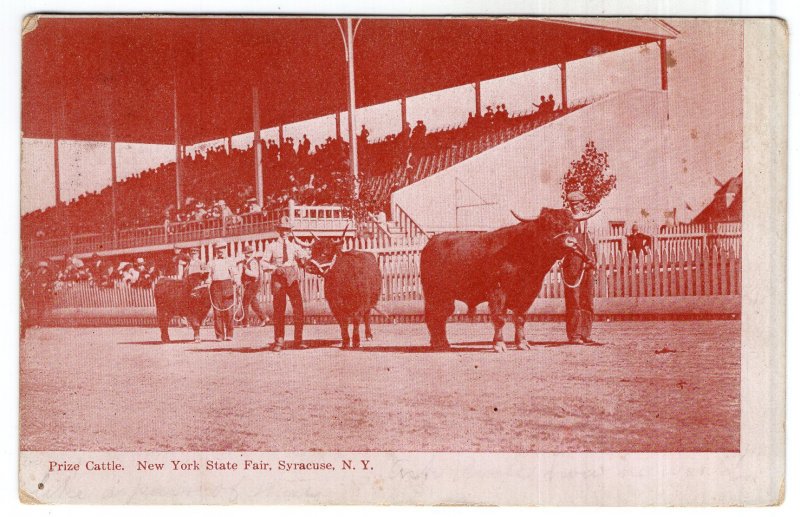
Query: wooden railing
[[305, 218], [409, 226]]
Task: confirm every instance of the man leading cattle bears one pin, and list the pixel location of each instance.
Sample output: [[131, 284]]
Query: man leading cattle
[[283, 257], [224, 276], [577, 270], [251, 280]]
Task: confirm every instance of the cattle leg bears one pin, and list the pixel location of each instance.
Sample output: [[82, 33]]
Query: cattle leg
[[519, 331], [342, 321], [356, 333], [367, 328], [497, 308], [436, 314], [163, 324]]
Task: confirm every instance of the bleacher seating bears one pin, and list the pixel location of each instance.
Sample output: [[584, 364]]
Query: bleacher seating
[[146, 209], [449, 147]]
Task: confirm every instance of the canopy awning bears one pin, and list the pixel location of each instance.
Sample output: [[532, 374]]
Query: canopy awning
[[121, 73]]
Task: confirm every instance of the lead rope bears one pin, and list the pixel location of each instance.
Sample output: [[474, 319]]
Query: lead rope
[[238, 313], [564, 279]]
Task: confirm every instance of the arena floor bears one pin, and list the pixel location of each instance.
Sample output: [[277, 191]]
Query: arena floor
[[655, 386]]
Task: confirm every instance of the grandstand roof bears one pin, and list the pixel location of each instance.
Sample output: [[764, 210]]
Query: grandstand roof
[[121, 72]]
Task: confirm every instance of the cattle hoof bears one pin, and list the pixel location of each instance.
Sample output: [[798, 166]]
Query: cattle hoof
[[500, 346], [523, 345]]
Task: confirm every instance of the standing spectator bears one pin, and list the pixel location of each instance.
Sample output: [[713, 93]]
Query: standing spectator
[[541, 108], [551, 104], [639, 243]]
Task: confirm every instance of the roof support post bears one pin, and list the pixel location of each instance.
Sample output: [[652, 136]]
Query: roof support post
[[56, 172], [403, 113], [662, 45], [113, 185], [351, 108], [280, 135], [477, 98], [563, 67], [259, 183], [338, 125], [178, 153]]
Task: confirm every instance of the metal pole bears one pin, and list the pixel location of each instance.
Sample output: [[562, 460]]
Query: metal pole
[[56, 172], [178, 167], [338, 125], [257, 149], [403, 113], [113, 183], [662, 44], [477, 98], [351, 110], [563, 67]]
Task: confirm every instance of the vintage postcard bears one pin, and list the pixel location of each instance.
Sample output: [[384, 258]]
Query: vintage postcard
[[319, 260]]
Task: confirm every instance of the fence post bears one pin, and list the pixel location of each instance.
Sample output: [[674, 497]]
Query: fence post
[[291, 206]]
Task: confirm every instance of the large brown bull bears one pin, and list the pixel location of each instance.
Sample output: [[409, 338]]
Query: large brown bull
[[181, 298], [505, 267], [352, 285]]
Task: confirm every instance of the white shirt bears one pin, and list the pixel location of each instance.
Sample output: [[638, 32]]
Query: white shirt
[[223, 269], [273, 253]]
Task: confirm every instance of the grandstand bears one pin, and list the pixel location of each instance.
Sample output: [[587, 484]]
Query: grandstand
[[215, 189]]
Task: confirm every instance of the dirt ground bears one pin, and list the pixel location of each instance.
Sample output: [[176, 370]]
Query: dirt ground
[[654, 386]]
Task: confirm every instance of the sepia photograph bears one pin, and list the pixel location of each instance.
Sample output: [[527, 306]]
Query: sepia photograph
[[300, 246]]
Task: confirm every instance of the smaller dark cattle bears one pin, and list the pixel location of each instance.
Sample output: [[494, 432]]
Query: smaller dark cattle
[[180, 298], [352, 285]]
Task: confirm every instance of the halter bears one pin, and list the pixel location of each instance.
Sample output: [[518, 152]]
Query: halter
[[325, 267]]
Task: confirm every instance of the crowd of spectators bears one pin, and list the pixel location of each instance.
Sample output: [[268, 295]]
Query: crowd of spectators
[[94, 271], [218, 182]]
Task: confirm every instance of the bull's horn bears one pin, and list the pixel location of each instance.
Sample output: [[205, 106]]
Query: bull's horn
[[301, 243], [314, 235], [586, 216], [344, 233], [520, 218]]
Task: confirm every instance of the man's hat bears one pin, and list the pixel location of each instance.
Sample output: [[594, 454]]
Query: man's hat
[[43, 263], [576, 196], [248, 248], [285, 223], [140, 260], [219, 243], [194, 249]]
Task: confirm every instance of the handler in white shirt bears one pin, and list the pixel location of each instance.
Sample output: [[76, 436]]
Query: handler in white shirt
[[283, 257]]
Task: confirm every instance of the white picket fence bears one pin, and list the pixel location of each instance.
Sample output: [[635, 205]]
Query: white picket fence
[[686, 271]]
